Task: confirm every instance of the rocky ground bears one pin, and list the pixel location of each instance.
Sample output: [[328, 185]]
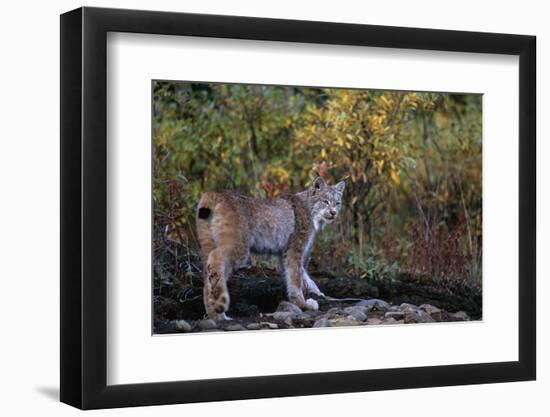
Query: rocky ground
[[259, 304]]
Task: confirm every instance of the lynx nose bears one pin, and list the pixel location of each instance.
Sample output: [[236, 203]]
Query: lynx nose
[[332, 213]]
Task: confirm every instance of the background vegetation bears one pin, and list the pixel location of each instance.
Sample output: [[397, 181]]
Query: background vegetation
[[412, 164]]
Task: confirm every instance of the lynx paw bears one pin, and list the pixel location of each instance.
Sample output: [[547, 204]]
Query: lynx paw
[[219, 316], [312, 304], [222, 317], [218, 303], [312, 287], [317, 293]]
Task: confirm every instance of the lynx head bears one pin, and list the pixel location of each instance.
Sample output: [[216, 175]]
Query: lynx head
[[326, 201]]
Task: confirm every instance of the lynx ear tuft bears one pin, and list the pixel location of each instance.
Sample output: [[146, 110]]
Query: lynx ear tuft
[[340, 187], [318, 185]]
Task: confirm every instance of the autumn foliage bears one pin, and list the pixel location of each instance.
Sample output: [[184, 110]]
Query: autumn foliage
[[412, 164]]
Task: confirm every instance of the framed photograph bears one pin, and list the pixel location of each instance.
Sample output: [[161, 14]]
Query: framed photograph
[[258, 208]]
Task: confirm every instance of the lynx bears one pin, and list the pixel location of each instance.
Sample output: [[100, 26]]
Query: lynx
[[231, 226]]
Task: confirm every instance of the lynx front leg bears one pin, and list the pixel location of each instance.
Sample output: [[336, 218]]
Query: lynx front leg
[[295, 284], [310, 285]]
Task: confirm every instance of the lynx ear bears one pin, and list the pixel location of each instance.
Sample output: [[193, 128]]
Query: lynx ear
[[340, 187], [318, 185]]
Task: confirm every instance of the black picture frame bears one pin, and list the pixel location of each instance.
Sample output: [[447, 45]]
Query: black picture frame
[[84, 207]]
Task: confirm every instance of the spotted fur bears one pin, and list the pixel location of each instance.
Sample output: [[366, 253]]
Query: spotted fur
[[231, 226]]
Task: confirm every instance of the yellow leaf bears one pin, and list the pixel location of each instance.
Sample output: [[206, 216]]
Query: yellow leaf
[[394, 177]]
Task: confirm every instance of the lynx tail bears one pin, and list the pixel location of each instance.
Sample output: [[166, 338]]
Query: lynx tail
[[204, 213]]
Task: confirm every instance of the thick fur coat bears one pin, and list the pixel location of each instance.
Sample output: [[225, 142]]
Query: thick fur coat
[[231, 226]]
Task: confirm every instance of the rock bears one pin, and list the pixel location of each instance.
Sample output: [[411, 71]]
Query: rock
[[182, 325], [418, 317], [302, 321], [358, 313], [397, 315], [312, 313], [234, 327], [373, 304], [408, 307], [333, 313], [459, 316], [284, 316], [208, 324], [288, 307], [262, 325], [434, 312], [390, 320], [340, 322], [374, 321], [322, 323], [356, 307]]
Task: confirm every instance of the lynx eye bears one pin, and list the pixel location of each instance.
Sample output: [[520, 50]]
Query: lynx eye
[[326, 202]]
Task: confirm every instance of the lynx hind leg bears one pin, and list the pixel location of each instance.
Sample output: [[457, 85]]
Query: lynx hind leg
[[216, 295], [221, 262]]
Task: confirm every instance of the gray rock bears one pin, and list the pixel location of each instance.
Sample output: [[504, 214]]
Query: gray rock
[[312, 313], [182, 325], [208, 324], [363, 309], [340, 322], [358, 313], [408, 307], [334, 312], [374, 304], [234, 327], [460, 316], [302, 321], [322, 323], [434, 312], [284, 316], [262, 325], [397, 315], [374, 321], [418, 317], [288, 307]]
